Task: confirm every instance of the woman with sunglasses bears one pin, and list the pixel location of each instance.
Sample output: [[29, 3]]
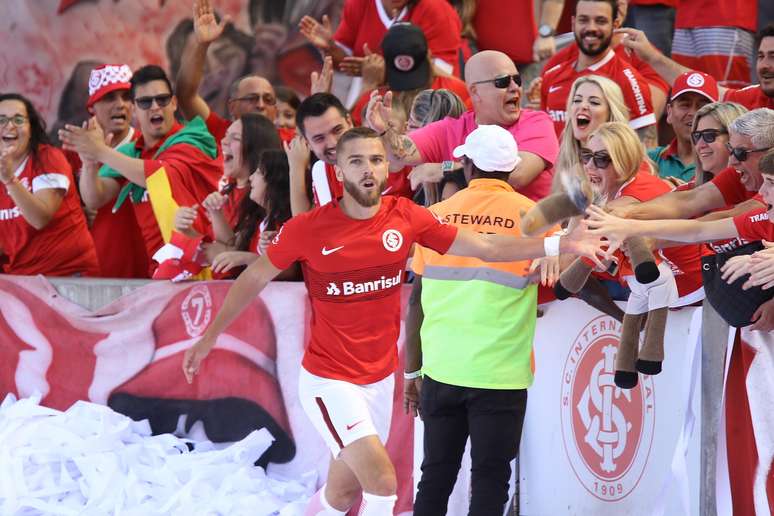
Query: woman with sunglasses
[[42, 227], [615, 163], [709, 135]]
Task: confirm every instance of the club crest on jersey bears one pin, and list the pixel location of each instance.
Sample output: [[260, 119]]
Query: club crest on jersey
[[392, 240]]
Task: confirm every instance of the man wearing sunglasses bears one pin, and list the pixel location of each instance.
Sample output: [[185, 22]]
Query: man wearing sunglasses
[[170, 164], [593, 29], [248, 94], [753, 97], [495, 91], [690, 92]]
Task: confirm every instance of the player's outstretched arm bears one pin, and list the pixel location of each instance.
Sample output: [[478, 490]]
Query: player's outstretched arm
[[506, 248], [245, 289]]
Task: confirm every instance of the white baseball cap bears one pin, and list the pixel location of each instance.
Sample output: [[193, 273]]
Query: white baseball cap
[[491, 149]]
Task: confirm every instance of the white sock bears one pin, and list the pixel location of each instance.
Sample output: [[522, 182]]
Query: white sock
[[375, 505], [319, 506]]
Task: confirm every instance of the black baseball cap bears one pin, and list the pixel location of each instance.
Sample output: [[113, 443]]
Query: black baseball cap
[[405, 57]]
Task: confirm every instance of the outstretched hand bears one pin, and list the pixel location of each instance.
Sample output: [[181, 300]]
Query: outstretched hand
[[192, 360], [637, 41], [603, 224], [379, 111], [206, 26], [321, 82], [318, 34]]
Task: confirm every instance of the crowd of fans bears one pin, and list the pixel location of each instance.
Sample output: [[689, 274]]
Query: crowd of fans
[[158, 185]]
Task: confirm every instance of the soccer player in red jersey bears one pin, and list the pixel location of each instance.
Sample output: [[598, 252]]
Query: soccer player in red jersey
[[353, 253], [752, 97]]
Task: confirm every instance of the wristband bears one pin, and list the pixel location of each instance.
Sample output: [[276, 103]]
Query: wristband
[[551, 245], [412, 376]]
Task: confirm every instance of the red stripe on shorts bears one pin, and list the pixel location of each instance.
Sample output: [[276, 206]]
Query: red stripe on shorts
[[328, 422]]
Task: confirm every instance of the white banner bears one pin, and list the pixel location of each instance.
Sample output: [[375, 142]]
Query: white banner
[[591, 448]]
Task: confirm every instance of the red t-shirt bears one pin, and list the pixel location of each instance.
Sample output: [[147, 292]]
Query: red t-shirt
[[325, 186], [571, 51], [399, 184], [696, 14], [366, 21], [439, 82], [731, 188], [751, 97], [64, 247], [506, 26], [233, 201], [755, 225], [130, 259], [557, 83], [217, 126], [532, 131], [684, 260], [668, 3], [353, 272]]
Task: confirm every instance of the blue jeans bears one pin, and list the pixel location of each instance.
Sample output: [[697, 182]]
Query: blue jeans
[[656, 21]]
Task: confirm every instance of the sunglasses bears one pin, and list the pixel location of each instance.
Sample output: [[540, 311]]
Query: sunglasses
[[145, 103], [503, 81], [741, 154], [16, 120], [708, 135], [254, 98], [601, 159]]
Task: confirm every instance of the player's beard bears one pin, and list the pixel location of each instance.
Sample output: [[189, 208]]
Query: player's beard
[[604, 44], [365, 199]]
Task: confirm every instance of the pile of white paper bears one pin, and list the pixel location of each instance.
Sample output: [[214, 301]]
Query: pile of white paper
[[90, 460]]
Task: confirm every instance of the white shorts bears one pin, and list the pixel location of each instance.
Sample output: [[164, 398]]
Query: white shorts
[[343, 412], [659, 294]]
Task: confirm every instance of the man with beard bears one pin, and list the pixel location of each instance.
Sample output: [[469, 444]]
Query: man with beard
[[593, 29], [353, 254], [321, 119], [495, 91], [752, 97]]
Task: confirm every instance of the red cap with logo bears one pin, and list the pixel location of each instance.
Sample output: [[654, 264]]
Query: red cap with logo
[[107, 78], [695, 82]]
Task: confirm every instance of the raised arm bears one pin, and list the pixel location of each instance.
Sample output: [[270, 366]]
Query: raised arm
[[37, 208], [96, 191], [401, 150], [297, 152], [528, 169], [189, 76], [249, 284]]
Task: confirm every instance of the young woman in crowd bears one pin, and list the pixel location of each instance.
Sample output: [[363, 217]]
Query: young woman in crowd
[[261, 214], [42, 226], [709, 135], [431, 106]]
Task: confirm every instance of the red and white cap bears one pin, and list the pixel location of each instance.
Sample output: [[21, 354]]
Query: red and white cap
[[695, 82], [107, 78]]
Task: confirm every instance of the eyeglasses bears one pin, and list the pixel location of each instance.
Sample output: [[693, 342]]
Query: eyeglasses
[[601, 159], [708, 135], [741, 154], [254, 98], [16, 120], [145, 103], [503, 81]]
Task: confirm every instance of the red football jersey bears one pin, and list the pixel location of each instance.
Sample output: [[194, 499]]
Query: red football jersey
[[729, 184], [353, 270], [325, 186], [557, 82], [694, 14], [64, 247], [754, 225], [366, 21], [684, 260], [751, 97], [571, 51]]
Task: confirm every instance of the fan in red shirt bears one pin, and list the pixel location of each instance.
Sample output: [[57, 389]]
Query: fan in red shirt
[[593, 28], [42, 227], [753, 97], [249, 94], [365, 22], [659, 88], [353, 254], [111, 106]]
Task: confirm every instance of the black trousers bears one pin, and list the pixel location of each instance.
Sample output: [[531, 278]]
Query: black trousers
[[493, 419]]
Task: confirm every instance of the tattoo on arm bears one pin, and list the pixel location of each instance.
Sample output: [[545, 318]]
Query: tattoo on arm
[[648, 136], [401, 147]]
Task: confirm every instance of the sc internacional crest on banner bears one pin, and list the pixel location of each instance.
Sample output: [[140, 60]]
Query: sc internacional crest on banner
[[607, 431]]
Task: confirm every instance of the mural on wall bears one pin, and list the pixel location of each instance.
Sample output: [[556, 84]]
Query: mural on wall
[[52, 45]]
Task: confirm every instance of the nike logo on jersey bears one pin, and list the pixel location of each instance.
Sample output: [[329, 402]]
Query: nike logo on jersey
[[326, 252], [353, 425], [552, 89]]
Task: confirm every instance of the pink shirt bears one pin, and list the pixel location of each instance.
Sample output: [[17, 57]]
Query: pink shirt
[[534, 132]]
